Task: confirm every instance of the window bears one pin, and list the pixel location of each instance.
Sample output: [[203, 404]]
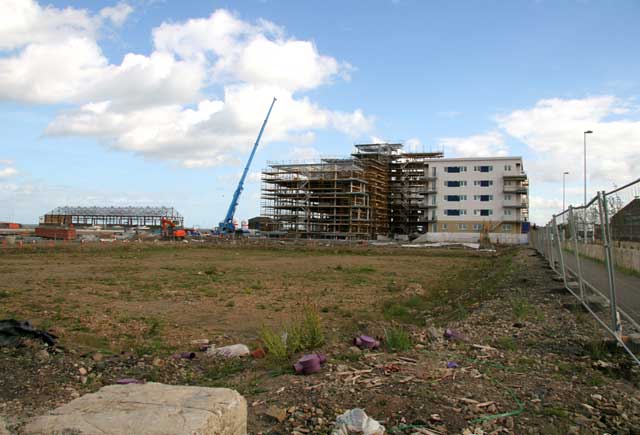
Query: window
[[433, 171], [455, 183], [483, 197], [507, 197], [455, 197], [483, 168], [477, 227], [444, 227], [455, 169], [506, 227], [462, 226], [507, 212], [483, 212], [455, 212], [433, 200], [507, 168], [483, 183]]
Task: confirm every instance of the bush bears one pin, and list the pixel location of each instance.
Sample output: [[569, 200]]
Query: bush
[[397, 339]]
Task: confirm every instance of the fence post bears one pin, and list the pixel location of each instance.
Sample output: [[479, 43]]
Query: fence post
[[552, 257], [606, 241], [556, 234], [574, 237]]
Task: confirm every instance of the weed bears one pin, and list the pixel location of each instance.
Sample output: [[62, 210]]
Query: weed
[[276, 345], [521, 308], [154, 327], [4, 294], [397, 339], [230, 303], [506, 343], [596, 350], [305, 334]]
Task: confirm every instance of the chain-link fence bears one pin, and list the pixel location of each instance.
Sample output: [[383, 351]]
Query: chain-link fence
[[595, 250]]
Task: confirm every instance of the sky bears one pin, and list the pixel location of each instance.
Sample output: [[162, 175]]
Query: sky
[[152, 102]]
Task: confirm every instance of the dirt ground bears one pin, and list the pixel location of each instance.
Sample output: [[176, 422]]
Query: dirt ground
[[528, 362]]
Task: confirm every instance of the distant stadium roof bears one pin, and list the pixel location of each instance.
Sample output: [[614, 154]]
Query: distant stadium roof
[[116, 211]]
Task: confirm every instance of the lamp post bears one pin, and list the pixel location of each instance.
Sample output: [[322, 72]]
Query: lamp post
[[584, 227], [564, 174]]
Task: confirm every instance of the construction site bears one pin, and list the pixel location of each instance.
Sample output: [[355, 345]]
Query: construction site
[[378, 191]]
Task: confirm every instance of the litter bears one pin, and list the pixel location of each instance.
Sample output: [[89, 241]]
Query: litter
[[452, 365], [125, 381], [357, 421], [310, 363], [366, 342], [453, 335], [184, 355], [11, 331], [235, 350], [258, 353]]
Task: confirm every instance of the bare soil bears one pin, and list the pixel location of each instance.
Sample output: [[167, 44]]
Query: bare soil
[[122, 311]]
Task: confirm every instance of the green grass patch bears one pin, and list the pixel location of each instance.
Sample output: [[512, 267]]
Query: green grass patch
[[397, 339]]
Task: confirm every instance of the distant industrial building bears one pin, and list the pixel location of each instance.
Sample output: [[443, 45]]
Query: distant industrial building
[[383, 191], [125, 217]]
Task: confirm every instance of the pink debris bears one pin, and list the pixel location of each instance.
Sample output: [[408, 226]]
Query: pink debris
[[453, 335], [310, 363], [366, 342], [184, 355]]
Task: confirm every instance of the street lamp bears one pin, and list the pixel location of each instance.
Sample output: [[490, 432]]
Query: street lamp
[[584, 228], [564, 174]]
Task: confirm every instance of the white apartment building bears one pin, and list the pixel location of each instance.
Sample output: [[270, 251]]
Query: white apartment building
[[476, 194]]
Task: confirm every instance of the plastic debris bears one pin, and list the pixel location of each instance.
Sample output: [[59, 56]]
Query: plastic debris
[[125, 381], [452, 365], [357, 421], [233, 351], [184, 355], [453, 335], [310, 363], [12, 331], [366, 342], [258, 353]]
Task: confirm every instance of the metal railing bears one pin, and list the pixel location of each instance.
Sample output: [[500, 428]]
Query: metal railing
[[595, 250]]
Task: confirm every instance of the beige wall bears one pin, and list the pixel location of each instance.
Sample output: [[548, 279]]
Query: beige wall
[[493, 226], [625, 254]]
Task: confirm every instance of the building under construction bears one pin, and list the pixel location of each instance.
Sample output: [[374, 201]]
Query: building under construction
[[125, 217], [382, 191], [379, 190]]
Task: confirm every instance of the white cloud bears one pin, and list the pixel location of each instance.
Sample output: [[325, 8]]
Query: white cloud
[[542, 209], [8, 172], [117, 14], [553, 130], [25, 22], [157, 104], [480, 145]]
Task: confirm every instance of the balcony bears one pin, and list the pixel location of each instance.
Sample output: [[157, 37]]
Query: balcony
[[515, 189], [523, 204], [521, 176]]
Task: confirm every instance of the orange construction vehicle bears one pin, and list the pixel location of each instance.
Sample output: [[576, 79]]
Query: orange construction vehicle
[[170, 230]]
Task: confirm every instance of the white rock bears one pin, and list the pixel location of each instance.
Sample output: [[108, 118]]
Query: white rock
[[149, 409]]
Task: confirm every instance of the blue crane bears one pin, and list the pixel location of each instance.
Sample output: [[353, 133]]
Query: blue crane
[[226, 226]]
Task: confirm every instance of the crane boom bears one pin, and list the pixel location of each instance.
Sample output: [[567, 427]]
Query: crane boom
[[226, 226]]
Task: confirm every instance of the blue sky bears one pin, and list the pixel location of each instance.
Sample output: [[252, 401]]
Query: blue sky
[[83, 127]]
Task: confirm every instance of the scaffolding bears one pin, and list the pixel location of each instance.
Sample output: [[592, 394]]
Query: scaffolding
[[412, 192], [320, 200], [111, 216], [378, 191]]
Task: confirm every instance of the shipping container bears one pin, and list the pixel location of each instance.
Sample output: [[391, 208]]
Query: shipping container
[[56, 233]]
